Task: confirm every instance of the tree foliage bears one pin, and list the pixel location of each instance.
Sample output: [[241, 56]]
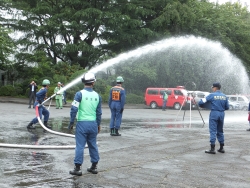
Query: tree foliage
[[80, 32], [89, 32], [63, 36], [228, 23], [6, 45]]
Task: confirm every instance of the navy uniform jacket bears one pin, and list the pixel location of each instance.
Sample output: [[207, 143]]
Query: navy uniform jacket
[[117, 94], [41, 95], [216, 101]]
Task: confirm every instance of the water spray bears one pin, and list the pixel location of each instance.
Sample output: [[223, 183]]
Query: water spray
[[178, 43], [124, 56]]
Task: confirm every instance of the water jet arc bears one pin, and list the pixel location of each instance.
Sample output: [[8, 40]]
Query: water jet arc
[[165, 44]]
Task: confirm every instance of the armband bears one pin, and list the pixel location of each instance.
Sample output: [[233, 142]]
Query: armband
[[75, 103]]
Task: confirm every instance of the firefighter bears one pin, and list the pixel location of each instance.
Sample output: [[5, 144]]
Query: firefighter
[[117, 96], [41, 95], [86, 107], [218, 104]]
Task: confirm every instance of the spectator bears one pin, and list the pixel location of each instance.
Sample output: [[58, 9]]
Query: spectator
[[165, 100], [32, 93], [59, 96], [64, 95]]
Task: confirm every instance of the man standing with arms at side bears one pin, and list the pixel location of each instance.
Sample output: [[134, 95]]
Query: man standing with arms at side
[[86, 107], [117, 96], [165, 100], [59, 97], [32, 93], [64, 95], [218, 103]]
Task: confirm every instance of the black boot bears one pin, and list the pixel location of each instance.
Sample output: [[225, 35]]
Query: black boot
[[116, 133], [46, 125], [112, 131], [30, 126], [93, 168], [248, 129], [212, 150], [77, 170], [221, 150]]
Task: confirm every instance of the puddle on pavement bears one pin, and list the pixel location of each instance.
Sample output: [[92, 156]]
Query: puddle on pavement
[[154, 123], [61, 125], [39, 137], [40, 168]]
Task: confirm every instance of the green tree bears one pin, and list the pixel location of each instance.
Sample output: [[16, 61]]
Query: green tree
[[6, 45], [227, 23], [66, 30]]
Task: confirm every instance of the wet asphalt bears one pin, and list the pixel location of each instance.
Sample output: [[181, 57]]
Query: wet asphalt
[[157, 149]]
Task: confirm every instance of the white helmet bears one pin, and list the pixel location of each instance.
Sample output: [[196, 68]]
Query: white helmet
[[88, 78]]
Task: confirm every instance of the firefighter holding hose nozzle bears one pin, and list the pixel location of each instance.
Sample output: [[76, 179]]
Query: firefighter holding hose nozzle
[[40, 97]]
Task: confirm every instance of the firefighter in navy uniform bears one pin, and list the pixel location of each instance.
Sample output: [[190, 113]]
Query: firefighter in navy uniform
[[86, 107], [116, 103], [41, 95], [218, 103]]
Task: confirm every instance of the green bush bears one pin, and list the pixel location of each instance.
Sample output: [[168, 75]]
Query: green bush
[[70, 93], [19, 90], [7, 90], [3, 91], [104, 93], [50, 91], [104, 97], [134, 99]]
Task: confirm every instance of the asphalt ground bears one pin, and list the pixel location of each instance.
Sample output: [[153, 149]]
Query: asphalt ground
[[157, 149]]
